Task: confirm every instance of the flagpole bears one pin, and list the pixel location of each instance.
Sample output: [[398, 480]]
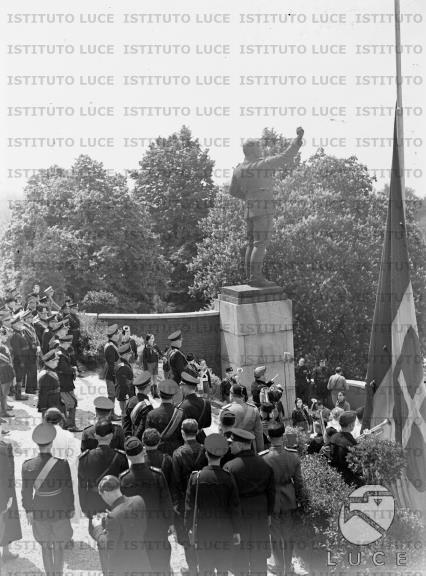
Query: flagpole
[[399, 108]]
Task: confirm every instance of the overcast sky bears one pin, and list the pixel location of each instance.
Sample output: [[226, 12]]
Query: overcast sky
[[332, 64]]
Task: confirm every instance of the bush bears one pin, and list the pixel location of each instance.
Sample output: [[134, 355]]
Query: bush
[[377, 461], [99, 302], [302, 439], [324, 489], [93, 337], [324, 492]]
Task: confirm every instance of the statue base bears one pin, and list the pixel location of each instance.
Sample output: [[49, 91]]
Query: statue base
[[246, 294], [256, 328]]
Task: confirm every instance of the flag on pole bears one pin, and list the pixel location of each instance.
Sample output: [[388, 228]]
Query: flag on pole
[[394, 382]]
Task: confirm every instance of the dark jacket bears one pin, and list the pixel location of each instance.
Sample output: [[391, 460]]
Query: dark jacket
[[124, 379], [88, 440], [60, 502], [200, 410], [218, 509], [301, 418], [177, 361], [339, 449], [256, 488], [49, 391], [119, 540], [288, 478], [111, 358], [256, 387], [7, 373], [150, 354], [19, 349], [186, 459], [135, 425], [159, 419], [162, 461], [65, 371], [12, 525], [46, 338], [225, 389], [149, 483], [39, 328], [93, 465]]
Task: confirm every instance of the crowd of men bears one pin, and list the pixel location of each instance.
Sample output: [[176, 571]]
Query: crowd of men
[[152, 474]]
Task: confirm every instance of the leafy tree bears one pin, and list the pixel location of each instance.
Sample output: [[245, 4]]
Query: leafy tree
[[174, 183], [325, 252], [82, 230], [219, 259]]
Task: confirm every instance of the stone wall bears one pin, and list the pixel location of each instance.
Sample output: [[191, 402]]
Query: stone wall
[[200, 330]]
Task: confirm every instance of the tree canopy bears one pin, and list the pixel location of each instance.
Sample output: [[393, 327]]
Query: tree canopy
[[174, 184], [82, 230]]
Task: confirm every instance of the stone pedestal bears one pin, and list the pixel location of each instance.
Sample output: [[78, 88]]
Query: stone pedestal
[[256, 328]]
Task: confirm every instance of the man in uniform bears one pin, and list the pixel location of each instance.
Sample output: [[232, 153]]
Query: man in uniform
[[149, 483], [48, 499], [103, 411], [74, 321], [212, 497], [226, 423], [253, 182], [48, 333], [185, 460], [138, 407], [303, 381], [151, 440], [49, 390], [285, 462], [176, 359], [112, 356], [256, 488], [40, 323], [120, 536], [29, 333], [124, 388], [167, 418], [246, 416], [66, 374], [18, 348], [8, 502], [320, 376], [193, 406], [94, 464]]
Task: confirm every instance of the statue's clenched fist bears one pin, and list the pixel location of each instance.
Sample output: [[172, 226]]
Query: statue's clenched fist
[[300, 132]]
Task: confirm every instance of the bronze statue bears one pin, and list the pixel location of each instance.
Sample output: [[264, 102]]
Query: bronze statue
[[253, 181]]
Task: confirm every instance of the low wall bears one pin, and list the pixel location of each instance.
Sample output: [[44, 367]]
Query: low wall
[[200, 330]]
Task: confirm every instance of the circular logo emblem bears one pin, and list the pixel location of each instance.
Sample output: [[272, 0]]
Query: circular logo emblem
[[367, 514]]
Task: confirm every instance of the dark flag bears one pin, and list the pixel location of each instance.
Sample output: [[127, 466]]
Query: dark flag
[[394, 382]]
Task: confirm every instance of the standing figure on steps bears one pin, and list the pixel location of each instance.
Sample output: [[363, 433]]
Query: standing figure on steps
[[253, 182]]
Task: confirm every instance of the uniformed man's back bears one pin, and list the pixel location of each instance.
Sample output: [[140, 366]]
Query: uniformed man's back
[[96, 463], [246, 415], [149, 483]]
